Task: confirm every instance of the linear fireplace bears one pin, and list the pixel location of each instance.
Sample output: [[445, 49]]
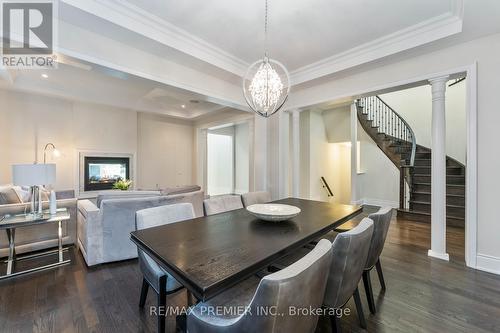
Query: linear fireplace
[[101, 172]]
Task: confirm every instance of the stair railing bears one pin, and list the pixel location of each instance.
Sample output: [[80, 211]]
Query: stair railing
[[327, 188], [389, 122]]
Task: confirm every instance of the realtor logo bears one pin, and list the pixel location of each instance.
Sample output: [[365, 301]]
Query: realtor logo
[[28, 30]]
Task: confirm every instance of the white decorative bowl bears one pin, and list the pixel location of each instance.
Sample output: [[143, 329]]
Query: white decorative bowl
[[273, 212]]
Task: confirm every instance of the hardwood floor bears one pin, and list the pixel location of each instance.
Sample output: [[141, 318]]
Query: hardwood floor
[[423, 294]]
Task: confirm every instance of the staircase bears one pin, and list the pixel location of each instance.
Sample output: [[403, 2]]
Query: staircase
[[396, 139]]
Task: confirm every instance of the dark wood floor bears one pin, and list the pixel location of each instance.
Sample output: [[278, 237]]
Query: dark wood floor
[[423, 294]]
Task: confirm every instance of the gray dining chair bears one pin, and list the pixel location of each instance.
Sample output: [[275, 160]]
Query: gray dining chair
[[350, 252], [258, 197], [221, 204], [300, 285], [381, 223], [153, 275]]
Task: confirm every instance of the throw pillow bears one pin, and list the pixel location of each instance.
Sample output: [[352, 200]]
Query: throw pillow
[[8, 196], [23, 193]]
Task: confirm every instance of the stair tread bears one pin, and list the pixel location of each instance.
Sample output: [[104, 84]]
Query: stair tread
[[448, 195], [458, 185], [428, 167], [429, 214], [424, 174], [428, 203]]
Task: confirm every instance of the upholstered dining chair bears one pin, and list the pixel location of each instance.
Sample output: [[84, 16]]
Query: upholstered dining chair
[[222, 204], [381, 222], [300, 285], [350, 252], [252, 198], [153, 275]]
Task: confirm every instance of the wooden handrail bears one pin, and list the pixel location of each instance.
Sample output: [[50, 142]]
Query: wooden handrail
[[326, 187]]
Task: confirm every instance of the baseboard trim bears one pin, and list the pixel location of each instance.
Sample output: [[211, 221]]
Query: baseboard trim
[[442, 256], [488, 263]]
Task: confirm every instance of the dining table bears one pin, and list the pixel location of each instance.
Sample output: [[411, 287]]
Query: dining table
[[210, 254]]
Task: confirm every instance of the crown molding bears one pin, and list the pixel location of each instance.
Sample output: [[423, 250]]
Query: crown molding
[[419, 34], [133, 18]]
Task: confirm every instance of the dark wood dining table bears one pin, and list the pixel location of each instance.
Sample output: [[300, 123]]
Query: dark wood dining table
[[213, 253]]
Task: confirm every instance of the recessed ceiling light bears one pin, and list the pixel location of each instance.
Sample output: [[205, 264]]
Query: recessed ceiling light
[[44, 76], [183, 106]]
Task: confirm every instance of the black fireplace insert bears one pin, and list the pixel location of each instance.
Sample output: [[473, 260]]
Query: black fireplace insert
[[102, 172]]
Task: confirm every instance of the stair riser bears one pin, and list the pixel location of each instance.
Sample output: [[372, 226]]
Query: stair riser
[[427, 219], [455, 211], [459, 190], [453, 180], [419, 162], [450, 200], [426, 170], [450, 211], [422, 162], [420, 207]]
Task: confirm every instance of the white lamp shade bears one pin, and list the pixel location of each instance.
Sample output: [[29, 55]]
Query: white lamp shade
[[33, 174]]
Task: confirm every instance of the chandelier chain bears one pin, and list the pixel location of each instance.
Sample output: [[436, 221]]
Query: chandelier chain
[[265, 30]]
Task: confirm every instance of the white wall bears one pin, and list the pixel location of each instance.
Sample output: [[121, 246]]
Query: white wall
[[246, 125], [415, 106], [406, 67], [29, 121], [241, 158], [165, 151], [220, 161], [378, 182], [378, 177], [321, 159]]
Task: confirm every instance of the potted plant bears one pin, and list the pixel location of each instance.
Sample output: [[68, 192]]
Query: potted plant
[[122, 184]]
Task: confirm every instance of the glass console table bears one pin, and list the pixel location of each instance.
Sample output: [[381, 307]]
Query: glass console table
[[12, 222]]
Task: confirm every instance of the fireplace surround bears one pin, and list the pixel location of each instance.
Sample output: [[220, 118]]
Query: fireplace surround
[[99, 171]]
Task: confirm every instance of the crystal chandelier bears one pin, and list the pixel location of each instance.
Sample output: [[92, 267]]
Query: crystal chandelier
[[266, 84]]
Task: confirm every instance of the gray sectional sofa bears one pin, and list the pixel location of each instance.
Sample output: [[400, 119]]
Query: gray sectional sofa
[[42, 236], [104, 227]]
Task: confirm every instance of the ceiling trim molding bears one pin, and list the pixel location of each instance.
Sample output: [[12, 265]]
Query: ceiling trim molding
[[419, 34], [135, 19], [211, 95]]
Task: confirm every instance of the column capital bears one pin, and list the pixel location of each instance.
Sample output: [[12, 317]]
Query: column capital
[[438, 85], [439, 79], [293, 111]]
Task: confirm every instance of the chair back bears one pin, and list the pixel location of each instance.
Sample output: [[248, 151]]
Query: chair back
[[300, 285], [381, 222], [350, 251], [222, 204], [252, 198], [152, 217]]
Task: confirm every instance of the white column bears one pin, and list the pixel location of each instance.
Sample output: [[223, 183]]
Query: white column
[[438, 170], [296, 153], [354, 153], [284, 149], [260, 153]]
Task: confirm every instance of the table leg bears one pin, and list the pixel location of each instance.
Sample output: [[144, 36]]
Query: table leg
[[12, 250], [59, 234]]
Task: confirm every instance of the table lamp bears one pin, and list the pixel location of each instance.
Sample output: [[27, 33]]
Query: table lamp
[[34, 175]]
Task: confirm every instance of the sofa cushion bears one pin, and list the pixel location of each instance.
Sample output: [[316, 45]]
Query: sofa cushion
[[180, 189], [8, 196], [109, 195]]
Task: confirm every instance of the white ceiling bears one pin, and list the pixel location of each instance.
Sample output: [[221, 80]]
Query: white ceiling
[[81, 81], [300, 32], [315, 39]]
